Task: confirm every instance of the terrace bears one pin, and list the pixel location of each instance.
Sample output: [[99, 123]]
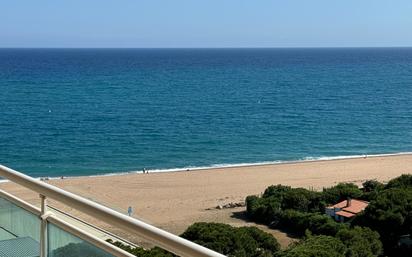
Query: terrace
[[30, 231]]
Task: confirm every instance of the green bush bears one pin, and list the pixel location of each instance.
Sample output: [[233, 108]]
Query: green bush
[[231, 241], [263, 209], [390, 215], [276, 191], [322, 224], [371, 189], [302, 200], [403, 181], [299, 222], [275, 199], [316, 246], [340, 192], [360, 242], [356, 242], [372, 185]]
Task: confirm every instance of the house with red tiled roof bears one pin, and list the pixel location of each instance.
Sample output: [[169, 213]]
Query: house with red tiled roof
[[346, 209]]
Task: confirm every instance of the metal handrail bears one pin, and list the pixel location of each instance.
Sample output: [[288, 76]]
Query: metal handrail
[[113, 236], [159, 237], [109, 248]]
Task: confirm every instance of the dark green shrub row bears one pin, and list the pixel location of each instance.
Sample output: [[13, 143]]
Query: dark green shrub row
[[299, 222], [297, 210], [300, 210], [356, 242], [231, 241], [277, 199]]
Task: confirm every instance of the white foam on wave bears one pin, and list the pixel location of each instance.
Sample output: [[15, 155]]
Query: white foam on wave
[[234, 165], [342, 157]]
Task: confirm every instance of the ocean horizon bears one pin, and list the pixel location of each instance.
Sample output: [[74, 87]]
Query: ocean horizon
[[81, 112]]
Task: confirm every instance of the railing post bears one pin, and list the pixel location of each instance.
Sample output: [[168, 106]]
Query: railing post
[[43, 227]]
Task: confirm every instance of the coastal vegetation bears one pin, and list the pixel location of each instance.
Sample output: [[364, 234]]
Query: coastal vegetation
[[253, 242], [231, 241], [377, 231]]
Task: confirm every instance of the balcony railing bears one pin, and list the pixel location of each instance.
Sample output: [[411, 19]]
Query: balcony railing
[[38, 232]]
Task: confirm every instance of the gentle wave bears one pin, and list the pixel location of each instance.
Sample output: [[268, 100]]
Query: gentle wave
[[235, 165], [306, 159], [326, 158]]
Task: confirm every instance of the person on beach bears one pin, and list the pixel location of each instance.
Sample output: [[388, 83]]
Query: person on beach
[[144, 170]]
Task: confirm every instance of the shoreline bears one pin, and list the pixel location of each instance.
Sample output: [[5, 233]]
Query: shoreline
[[265, 163], [228, 166]]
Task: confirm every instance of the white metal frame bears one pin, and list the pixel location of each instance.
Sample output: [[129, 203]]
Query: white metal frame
[[161, 238], [94, 227], [51, 218]]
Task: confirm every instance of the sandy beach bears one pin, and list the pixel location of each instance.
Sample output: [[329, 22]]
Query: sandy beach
[[175, 200]]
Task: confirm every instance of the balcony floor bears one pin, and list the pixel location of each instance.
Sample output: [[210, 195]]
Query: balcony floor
[[19, 247], [5, 235]]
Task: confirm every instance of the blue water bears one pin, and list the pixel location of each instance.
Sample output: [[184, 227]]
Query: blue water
[[94, 111]]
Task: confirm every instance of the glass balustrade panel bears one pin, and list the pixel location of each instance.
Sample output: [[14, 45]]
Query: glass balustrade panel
[[64, 244], [19, 231]]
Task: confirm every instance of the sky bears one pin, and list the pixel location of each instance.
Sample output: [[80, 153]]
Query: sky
[[207, 23]]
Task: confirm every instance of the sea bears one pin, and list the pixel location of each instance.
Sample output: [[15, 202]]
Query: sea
[[82, 112]]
